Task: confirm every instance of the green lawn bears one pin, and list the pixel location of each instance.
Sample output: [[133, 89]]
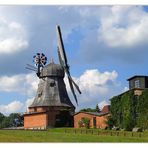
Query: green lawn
[[59, 135]]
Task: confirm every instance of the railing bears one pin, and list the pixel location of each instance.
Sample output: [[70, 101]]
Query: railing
[[104, 133]]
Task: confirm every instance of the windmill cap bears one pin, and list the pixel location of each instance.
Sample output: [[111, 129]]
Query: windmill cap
[[52, 69]]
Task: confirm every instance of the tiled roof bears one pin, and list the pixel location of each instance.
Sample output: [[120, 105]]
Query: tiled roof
[[93, 113], [137, 76], [106, 109]]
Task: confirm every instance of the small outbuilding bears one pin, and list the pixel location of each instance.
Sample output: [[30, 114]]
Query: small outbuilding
[[96, 119]]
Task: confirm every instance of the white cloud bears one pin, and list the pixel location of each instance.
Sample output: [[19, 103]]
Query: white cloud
[[23, 83], [125, 89], [16, 107], [28, 103], [95, 86], [94, 82], [12, 107], [13, 36], [123, 26], [102, 104]]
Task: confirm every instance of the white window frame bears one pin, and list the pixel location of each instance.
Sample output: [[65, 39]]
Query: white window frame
[[137, 84]]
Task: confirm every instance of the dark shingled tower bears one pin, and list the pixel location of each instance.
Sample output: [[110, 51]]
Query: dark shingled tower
[[52, 89]]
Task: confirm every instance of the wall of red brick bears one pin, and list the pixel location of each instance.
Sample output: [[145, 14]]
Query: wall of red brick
[[100, 120], [37, 117], [35, 120], [79, 116]]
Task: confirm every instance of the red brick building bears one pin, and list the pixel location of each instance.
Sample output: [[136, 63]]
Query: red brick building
[[97, 120], [44, 117]]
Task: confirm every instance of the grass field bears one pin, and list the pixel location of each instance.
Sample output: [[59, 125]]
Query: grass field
[[59, 135]]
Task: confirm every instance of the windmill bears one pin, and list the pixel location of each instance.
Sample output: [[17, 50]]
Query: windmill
[[52, 101]]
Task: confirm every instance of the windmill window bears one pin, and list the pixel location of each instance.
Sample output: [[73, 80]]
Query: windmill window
[[39, 94], [137, 84], [52, 84]]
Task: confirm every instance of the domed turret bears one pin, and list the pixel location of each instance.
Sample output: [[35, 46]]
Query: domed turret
[[51, 70]]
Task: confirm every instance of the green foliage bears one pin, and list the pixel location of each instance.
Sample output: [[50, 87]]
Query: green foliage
[[129, 111], [96, 109], [1, 117], [110, 122], [13, 119], [80, 123], [86, 122], [5, 122], [142, 110]]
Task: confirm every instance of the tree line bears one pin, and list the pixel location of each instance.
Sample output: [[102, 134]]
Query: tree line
[[96, 109], [13, 120]]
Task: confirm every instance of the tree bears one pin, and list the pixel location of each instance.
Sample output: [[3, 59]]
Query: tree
[[5, 123], [14, 119], [96, 109], [1, 117]]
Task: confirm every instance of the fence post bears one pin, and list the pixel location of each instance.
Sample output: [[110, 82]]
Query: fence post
[[98, 132], [132, 134], [111, 133], [139, 134]]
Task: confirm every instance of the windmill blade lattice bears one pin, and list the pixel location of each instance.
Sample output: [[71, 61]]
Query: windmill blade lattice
[[64, 64]]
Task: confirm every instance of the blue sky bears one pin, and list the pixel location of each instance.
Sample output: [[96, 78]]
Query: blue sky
[[105, 45]]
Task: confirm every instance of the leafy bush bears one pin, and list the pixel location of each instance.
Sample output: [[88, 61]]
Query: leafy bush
[[86, 122]]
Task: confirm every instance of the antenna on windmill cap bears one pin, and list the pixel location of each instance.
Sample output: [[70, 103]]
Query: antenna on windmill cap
[[51, 60]]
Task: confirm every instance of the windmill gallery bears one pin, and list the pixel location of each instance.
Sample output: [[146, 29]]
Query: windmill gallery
[[51, 106]]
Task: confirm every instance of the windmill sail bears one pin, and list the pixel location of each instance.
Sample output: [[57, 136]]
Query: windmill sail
[[63, 62], [61, 48]]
